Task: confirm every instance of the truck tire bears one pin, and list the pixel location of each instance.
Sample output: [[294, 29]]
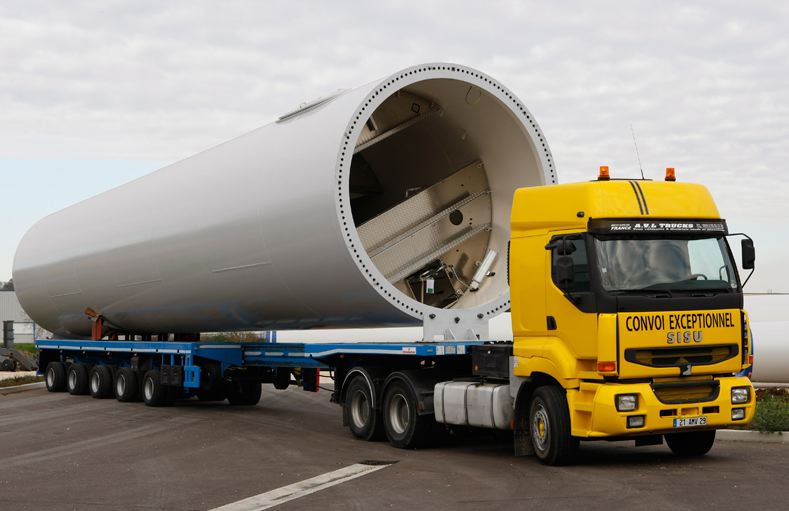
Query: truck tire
[[153, 392], [692, 443], [100, 382], [281, 378], [363, 420], [127, 387], [549, 426], [55, 377], [242, 393], [405, 429], [77, 379]]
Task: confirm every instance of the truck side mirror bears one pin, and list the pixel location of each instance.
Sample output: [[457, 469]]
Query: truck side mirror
[[748, 254], [565, 271]]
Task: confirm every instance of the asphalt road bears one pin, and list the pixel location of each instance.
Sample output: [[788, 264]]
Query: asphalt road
[[66, 452]]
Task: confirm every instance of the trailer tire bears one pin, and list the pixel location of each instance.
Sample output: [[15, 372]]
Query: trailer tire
[[362, 418], [77, 379], [100, 382], [692, 443], [153, 392], [405, 429], [243, 393], [127, 387], [549, 426], [55, 377], [281, 378]]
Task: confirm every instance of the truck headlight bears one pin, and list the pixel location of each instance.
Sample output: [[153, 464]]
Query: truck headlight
[[740, 395], [626, 402]]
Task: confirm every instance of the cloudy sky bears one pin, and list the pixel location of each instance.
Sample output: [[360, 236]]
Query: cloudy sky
[[93, 94]]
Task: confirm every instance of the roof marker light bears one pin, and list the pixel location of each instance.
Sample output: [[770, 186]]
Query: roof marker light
[[670, 175], [604, 175]]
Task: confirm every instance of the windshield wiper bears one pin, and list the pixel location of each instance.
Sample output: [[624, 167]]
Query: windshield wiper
[[654, 293]]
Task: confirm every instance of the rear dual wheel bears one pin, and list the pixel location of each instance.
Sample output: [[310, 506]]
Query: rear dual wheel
[[127, 386], [77, 380], [243, 393], [359, 413], [404, 427], [156, 394], [55, 377], [100, 382]]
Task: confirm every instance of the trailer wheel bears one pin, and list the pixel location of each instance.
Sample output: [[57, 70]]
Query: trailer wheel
[[126, 385], [101, 382], [363, 420], [281, 378], [549, 426], [692, 443], [242, 393], [404, 428], [153, 392], [56, 377], [77, 379]]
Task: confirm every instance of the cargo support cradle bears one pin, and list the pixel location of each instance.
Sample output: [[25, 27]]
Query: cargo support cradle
[[304, 355]]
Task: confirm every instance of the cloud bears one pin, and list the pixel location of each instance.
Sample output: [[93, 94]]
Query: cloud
[[705, 86]]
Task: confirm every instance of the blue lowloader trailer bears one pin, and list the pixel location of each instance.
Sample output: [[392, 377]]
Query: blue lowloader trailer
[[384, 388]]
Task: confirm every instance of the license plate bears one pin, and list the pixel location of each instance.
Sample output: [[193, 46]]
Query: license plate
[[689, 422]]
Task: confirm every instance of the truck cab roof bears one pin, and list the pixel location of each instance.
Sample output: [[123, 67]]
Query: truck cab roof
[[572, 206]]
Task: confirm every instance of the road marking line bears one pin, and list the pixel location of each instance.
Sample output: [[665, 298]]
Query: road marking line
[[296, 490]]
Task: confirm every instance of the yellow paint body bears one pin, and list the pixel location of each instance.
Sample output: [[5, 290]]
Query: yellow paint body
[[570, 352]]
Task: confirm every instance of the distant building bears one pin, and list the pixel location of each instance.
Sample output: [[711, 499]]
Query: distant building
[[25, 330]]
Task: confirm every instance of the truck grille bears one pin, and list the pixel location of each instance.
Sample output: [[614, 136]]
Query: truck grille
[[686, 392], [678, 357]]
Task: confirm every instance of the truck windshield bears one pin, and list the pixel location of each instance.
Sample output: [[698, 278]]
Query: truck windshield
[[660, 263]]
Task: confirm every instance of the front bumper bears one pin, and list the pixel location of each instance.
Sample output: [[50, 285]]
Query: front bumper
[[594, 415]]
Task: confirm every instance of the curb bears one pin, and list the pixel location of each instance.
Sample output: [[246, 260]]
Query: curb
[[4, 391], [738, 435]]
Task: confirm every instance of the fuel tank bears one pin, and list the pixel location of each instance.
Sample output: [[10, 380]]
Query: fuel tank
[[383, 205]]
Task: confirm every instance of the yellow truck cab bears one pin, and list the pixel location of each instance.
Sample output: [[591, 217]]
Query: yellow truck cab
[[627, 315]]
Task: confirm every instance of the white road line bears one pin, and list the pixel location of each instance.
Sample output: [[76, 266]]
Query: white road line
[[296, 490]]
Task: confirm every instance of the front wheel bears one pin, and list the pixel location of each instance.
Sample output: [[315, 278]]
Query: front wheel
[[549, 426], [692, 443]]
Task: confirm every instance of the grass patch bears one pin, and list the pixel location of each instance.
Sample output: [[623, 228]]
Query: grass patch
[[772, 410], [28, 348], [20, 380]]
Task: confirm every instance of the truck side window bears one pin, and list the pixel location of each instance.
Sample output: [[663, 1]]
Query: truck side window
[[580, 263]]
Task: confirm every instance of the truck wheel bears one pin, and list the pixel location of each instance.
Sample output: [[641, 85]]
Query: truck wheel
[[101, 382], [404, 428], [77, 379], [153, 392], [363, 420], [126, 385], [693, 443], [281, 378], [240, 393], [56, 377], [549, 426]]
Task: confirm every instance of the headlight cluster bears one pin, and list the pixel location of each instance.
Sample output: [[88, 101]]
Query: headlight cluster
[[740, 395], [626, 402]]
